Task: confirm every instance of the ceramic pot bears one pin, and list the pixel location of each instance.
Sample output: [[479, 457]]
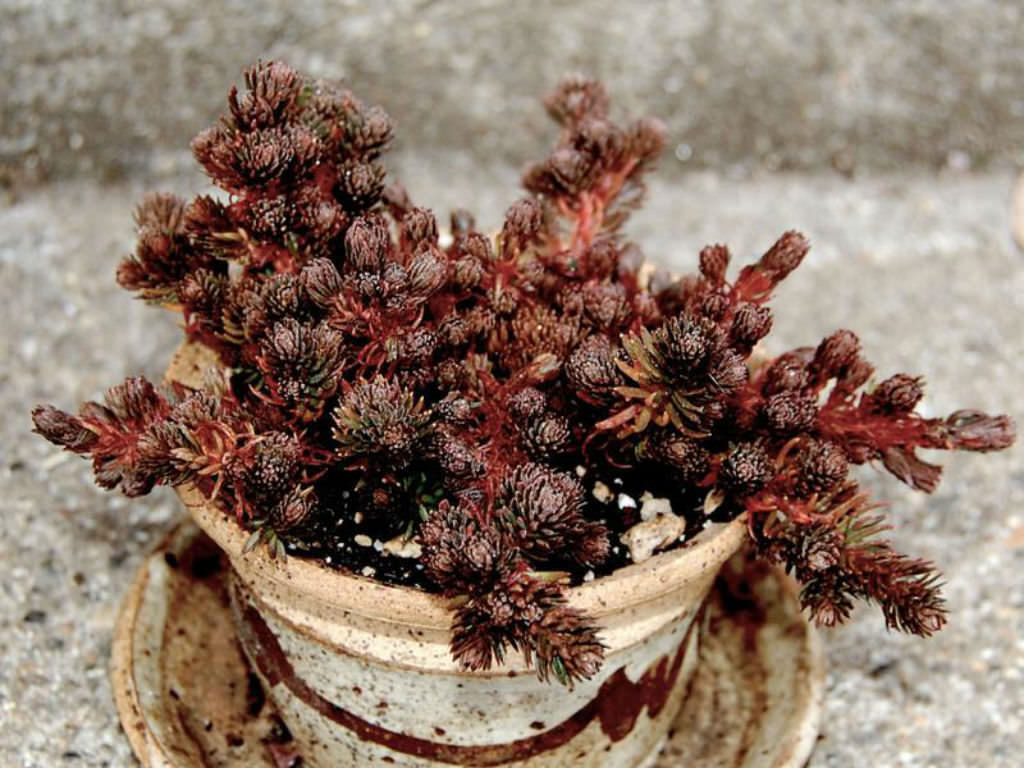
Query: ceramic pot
[[362, 675]]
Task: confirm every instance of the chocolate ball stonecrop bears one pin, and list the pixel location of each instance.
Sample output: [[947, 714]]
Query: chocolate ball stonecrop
[[376, 378]]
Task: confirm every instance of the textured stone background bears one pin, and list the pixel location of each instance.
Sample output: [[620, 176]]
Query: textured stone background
[[770, 105], [112, 86]]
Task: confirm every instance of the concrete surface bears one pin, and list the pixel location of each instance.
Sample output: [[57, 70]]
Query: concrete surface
[[922, 266], [110, 87], [888, 130]]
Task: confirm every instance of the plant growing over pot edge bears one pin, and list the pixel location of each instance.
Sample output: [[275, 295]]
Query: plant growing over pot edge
[[481, 397]]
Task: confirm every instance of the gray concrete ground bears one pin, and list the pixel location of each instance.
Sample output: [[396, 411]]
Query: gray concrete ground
[[112, 86], [888, 130], [922, 266]]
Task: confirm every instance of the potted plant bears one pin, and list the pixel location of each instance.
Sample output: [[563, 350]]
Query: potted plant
[[438, 464]]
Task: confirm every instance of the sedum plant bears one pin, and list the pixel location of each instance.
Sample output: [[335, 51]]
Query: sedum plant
[[480, 396]]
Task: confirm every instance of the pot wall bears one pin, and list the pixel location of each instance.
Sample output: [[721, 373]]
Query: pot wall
[[362, 675]]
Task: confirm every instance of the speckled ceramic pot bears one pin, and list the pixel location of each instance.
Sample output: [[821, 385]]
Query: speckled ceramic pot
[[362, 675]]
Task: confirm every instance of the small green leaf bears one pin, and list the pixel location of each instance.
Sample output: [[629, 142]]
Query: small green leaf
[[252, 541], [559, 669]]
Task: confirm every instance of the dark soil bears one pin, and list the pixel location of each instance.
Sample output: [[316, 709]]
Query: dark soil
[[335, 543]]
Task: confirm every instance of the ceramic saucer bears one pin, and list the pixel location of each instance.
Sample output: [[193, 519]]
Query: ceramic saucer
[[187, 698]]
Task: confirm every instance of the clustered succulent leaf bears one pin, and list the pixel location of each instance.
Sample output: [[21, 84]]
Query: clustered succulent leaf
[[458, 389]]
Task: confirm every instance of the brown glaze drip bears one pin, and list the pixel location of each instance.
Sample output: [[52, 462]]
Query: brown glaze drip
[[617, 706]]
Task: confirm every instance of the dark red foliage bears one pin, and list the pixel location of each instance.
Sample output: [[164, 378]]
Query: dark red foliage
[[379, 378]]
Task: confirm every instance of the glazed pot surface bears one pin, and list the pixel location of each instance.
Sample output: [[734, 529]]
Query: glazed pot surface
[[362, 674]]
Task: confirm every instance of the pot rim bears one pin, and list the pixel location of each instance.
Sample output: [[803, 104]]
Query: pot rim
[[628, 586]]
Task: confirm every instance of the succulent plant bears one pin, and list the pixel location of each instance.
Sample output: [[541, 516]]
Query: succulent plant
[[377, 377]]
